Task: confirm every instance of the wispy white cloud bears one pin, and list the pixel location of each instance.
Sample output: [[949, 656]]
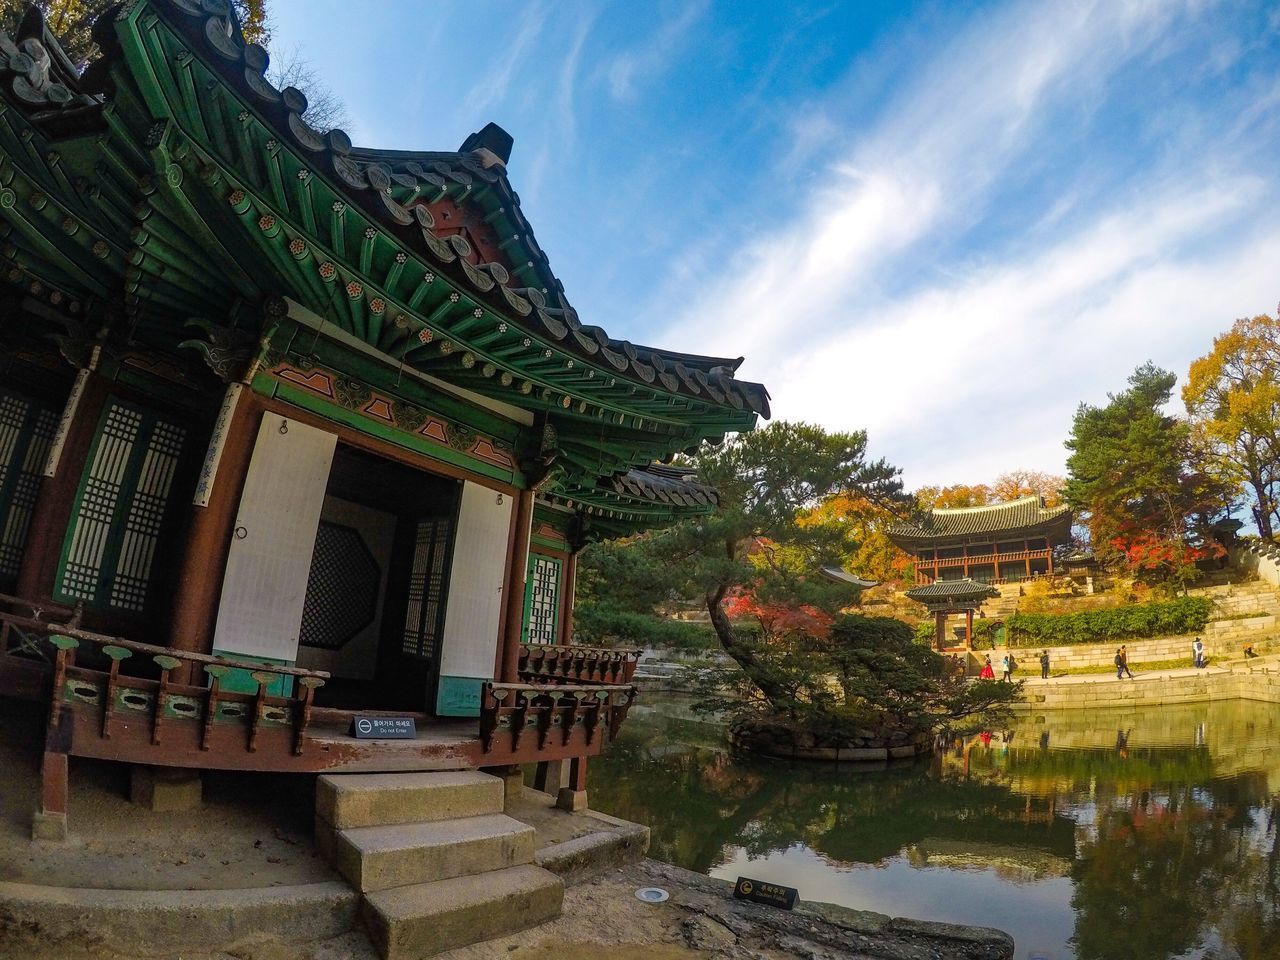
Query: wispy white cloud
[[628, 69], [854, 312], [491, 86]]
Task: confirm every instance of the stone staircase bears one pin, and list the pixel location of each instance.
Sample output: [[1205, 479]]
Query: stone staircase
[[437, 863]]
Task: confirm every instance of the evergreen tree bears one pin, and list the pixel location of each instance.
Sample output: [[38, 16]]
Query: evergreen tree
[[1134, 479]]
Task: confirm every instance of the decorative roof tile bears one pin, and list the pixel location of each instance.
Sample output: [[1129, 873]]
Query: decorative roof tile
[[1010, 517], [952, 591]]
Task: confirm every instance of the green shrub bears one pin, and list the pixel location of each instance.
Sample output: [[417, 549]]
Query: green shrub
[[594, 625], [1169, 618]]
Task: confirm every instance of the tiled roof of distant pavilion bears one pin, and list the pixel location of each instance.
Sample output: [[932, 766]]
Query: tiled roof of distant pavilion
[[1012, 518]]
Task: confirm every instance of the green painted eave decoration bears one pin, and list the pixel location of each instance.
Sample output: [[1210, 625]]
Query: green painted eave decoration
[[343, 263]]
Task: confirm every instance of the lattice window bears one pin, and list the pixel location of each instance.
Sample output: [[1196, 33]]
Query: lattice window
[[542, 600], [109, 556], [26, 432], [342, 588], [428, 586]]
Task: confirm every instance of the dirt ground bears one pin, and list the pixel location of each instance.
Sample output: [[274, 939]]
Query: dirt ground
[[232, 841]]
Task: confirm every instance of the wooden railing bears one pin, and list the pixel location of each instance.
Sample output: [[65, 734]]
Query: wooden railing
[[511, 714], [122, 698], [544, 663], [981, 559]]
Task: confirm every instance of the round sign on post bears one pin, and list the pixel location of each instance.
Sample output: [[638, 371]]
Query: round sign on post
[[365, 726]]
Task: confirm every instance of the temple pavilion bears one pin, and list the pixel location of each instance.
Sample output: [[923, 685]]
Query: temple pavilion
[[994, 543], [294, 431]]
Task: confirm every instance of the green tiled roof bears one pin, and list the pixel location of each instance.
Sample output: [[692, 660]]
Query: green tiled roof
[[946, 591], [1024, 515]]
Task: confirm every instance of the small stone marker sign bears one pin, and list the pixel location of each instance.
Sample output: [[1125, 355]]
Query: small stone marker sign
[[383, 728], [758, 891]]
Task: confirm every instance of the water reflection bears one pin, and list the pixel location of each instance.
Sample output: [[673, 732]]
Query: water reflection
[[1100, 836]]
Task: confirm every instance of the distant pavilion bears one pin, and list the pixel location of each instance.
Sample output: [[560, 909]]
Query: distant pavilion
[[995, 543]]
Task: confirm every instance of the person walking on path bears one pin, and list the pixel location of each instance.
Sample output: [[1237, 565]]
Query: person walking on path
[[1124, 661], [1044, 664], [1197, 654], [987, 673], [1008, 666], [1119, 666]]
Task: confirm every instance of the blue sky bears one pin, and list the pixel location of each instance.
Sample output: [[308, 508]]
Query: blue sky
[[947, 224]]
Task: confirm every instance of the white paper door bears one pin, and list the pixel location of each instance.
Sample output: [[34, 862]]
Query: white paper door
[[275, 533], [474, 614]]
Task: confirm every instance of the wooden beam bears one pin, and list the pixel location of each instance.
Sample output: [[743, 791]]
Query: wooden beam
[[518, 561]]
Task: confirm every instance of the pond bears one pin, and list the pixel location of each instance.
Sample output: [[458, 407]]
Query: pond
[[1135, 835]]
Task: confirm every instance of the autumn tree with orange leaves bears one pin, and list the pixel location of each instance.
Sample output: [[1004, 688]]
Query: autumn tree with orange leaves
[[1232, 395]]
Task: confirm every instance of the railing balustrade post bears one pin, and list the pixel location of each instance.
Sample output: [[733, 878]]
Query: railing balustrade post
[[259, 704], [109, 698], [309, 686], [216, 673], [166, 664]]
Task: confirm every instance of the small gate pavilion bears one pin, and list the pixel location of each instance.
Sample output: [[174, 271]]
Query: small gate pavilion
[[942, 598], [292, 430]]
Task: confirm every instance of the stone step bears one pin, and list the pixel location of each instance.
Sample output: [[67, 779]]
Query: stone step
[[380, 799], [422, 920], [379, 858]]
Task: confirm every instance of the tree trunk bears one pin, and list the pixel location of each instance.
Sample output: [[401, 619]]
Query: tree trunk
[[742, 655], [1262, 494]]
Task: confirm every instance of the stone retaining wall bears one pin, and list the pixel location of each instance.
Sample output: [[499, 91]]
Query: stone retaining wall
[[1241, 681], [1222, 639], [1259, 559]]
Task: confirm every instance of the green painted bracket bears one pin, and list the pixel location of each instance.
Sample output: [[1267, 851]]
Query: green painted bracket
[[117, 653], [165, 662], [63, 642]]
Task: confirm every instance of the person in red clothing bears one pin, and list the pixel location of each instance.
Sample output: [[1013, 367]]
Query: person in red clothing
[[987, 672]]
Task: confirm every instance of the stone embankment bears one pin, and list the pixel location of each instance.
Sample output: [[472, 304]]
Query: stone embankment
[[773, 740], [1248, 614], [1257, 679]]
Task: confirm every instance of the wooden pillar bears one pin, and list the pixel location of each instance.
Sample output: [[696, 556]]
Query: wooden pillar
[[519, 560], [940, 628], [568, 592], [968, 630], [1026, 559], [995, 558], [50, 820], [965, 554], [56, 496], [1048, 550], [204, 561]]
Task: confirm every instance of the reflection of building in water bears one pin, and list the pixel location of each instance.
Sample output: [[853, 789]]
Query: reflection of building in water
[[1012, 862]]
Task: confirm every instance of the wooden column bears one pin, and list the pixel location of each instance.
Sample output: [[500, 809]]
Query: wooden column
[[204, 561], [568, 591], [519, 560], [1048, 552], [56, 496], [1026, 559], [965, 554], [939, 629], [995, 558], [968, 630]]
